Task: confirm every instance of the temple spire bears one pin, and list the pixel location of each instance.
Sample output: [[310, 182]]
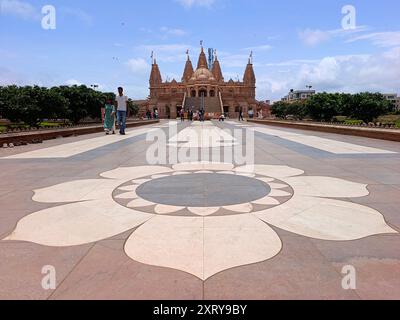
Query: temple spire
[[202, 60], [155, 76], [216, 69], [249, 75], [188, 72]]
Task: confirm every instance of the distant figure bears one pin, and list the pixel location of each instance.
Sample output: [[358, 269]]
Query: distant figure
[[122, 108], [241, 114], [191, 115], [148, 115], [182, 113], [109, 117], [156, 114], [203, 115], [251, 113]]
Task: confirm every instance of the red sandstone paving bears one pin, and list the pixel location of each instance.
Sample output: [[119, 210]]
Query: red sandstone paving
[[305, 269], [107, 273], [298, 272], [21, 275]]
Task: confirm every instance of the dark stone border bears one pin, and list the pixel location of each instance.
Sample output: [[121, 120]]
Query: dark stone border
[[381, 134], [39, 136]]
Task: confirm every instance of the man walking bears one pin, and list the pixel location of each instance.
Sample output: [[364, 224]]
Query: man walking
[[122, 108], [241, 114]]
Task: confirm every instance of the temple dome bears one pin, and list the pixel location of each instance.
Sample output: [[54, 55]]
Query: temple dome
[[202, 74]]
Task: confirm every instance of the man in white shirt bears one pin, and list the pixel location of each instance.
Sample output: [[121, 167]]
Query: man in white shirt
[[122, 108]]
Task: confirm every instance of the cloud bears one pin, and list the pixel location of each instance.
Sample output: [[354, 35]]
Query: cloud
[[346, 73], [264, 47], [138, 66], [19, 9], [9, 77], [233, 60], [198, 3], [78, 14], [313, 37], [73, 82], [167, 53], [173, 32], [380, 39]]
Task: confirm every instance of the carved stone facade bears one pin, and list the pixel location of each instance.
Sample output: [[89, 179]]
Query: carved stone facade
[[202, 88]]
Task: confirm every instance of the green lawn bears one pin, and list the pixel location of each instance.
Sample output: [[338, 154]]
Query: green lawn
[[46, 124]]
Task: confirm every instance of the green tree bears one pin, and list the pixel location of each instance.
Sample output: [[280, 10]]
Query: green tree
[[280, 109], [323, 106], [133, 108], [366, 106], [297, 110], [83, 102]]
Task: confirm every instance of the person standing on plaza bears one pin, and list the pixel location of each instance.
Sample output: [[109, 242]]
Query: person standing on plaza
[[241, 114], [122, 108], [109, 117], [182, 115]]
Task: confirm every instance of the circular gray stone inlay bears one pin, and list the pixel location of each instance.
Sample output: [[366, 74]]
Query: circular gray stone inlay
[[203, 190]]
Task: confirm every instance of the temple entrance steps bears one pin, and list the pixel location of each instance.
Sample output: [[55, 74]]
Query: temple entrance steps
[[212, 104]]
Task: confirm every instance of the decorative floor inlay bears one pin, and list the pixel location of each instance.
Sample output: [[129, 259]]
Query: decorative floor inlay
[[196, 237], [203, 193]]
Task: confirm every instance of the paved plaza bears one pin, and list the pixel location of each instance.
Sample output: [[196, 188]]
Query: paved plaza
[[308, 210]]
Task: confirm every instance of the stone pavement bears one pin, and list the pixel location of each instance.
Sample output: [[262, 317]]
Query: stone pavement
[[113, 226]]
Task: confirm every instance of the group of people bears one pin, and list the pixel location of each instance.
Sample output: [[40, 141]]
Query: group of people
[[150, 115], [116, 110], [191, 115]]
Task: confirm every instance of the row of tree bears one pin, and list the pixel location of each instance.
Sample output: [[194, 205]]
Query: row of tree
[[32, 105], [363, 106]]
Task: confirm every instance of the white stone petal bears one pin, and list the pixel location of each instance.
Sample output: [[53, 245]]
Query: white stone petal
[[206, 211], [215, 244], [326, 219], [170, 242], [127, 195], [165, 209], [226, 172], [196, 166], [327, 187], [140, 181], [159, 176], [204, 171], [266, 180], [77, 224], [279, 193], [139, 203], [277, 185], [241, 208], [74, 191], [249, 175], [132, 173], [128, 188], [271, 171], [236, 241], [267, 201], [180, 173]]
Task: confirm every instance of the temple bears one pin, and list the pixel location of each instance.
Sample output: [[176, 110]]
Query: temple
[[203, 88]]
